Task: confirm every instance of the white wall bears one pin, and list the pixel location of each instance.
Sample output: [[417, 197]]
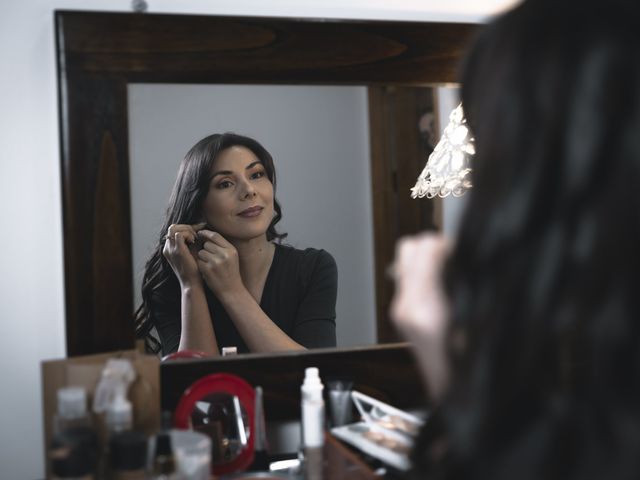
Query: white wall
[[31, 288], [319, 139]]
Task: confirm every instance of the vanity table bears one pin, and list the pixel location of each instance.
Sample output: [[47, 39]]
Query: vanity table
[[386, 372]]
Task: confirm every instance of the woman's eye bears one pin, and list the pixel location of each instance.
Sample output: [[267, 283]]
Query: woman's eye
[[258, 174], [224, 184]]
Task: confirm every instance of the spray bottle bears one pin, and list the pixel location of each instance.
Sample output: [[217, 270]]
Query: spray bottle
[[111, 399]]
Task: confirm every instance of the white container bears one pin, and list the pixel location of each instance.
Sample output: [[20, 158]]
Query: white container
[[193, 454], [385, 433], [312, 409], [72, 409]]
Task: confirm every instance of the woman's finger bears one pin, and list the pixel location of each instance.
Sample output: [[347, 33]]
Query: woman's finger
[[205, 256], [199, 226], [214, 237], [180, 239], [188, 230]]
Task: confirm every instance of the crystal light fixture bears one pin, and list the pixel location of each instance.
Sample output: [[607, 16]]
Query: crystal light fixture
[[447, 170]]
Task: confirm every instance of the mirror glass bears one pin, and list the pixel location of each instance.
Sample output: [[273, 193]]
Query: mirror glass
[[320, 139], [221, 417], [220, 406]]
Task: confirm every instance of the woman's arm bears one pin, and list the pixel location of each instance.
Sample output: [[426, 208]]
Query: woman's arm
[[256, 328], [219, 264], [315, 325], [197, 329], [420, 308]]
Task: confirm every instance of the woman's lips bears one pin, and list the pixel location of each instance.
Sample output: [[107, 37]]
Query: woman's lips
[[251, 212]]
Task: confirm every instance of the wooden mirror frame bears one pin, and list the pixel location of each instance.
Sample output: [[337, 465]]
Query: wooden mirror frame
[[98, 54]]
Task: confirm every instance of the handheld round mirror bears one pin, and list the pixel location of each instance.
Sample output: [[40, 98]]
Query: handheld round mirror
[[185, 354], [221, 406]]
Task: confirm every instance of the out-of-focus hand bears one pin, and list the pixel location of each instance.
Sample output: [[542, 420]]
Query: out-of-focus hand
[[218, 263], [181, 252], [420, 308]]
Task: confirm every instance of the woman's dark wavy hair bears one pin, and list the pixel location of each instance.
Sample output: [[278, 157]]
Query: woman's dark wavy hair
[[543, 280], [185, 207]]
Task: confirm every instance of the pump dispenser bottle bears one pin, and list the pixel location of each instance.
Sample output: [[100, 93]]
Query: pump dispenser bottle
[[312, 409], [111, 400], [119, 415], [312, 424]]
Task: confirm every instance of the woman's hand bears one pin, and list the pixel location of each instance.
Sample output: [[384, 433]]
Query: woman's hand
[[420, 308], [219, 265], [180, 251]]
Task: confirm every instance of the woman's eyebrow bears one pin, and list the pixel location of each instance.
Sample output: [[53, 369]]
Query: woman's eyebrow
[[229, 172], [253, 164]]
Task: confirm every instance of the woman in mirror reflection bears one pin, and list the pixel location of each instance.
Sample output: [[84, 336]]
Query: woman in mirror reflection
[[527, 326], [219, 275]]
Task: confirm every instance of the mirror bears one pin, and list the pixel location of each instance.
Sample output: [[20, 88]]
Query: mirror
[[102, 55], [221, 406], [221, 417], [320, 139]]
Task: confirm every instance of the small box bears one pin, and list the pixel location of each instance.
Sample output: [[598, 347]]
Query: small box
[[385, 433]]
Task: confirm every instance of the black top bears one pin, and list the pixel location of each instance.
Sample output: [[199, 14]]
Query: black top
[[299, 296]]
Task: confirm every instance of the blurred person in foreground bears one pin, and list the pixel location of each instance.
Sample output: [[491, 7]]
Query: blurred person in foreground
[[527, 326]]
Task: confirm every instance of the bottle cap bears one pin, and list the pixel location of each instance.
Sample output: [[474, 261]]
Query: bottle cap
[[72, 402], [229, 351], [312, 378], [312, 386], [312, 374]]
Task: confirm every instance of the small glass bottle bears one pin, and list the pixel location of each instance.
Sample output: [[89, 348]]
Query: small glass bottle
[[128, 456], [118, 420], [73, 454], [260, 455], [73, 451], [164, 462]]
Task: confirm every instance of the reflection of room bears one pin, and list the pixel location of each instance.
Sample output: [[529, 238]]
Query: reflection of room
[[319, 138]]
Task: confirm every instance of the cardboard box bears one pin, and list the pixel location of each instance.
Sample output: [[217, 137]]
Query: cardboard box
[[144, 392]]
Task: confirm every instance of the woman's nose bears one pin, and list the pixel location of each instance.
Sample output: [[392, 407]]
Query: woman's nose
[[248, 190]]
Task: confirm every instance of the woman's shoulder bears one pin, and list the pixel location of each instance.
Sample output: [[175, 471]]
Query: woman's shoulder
[[307, 267], [307, 257]]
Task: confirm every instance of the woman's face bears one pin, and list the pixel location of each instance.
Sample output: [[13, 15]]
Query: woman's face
[[239, 203]]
